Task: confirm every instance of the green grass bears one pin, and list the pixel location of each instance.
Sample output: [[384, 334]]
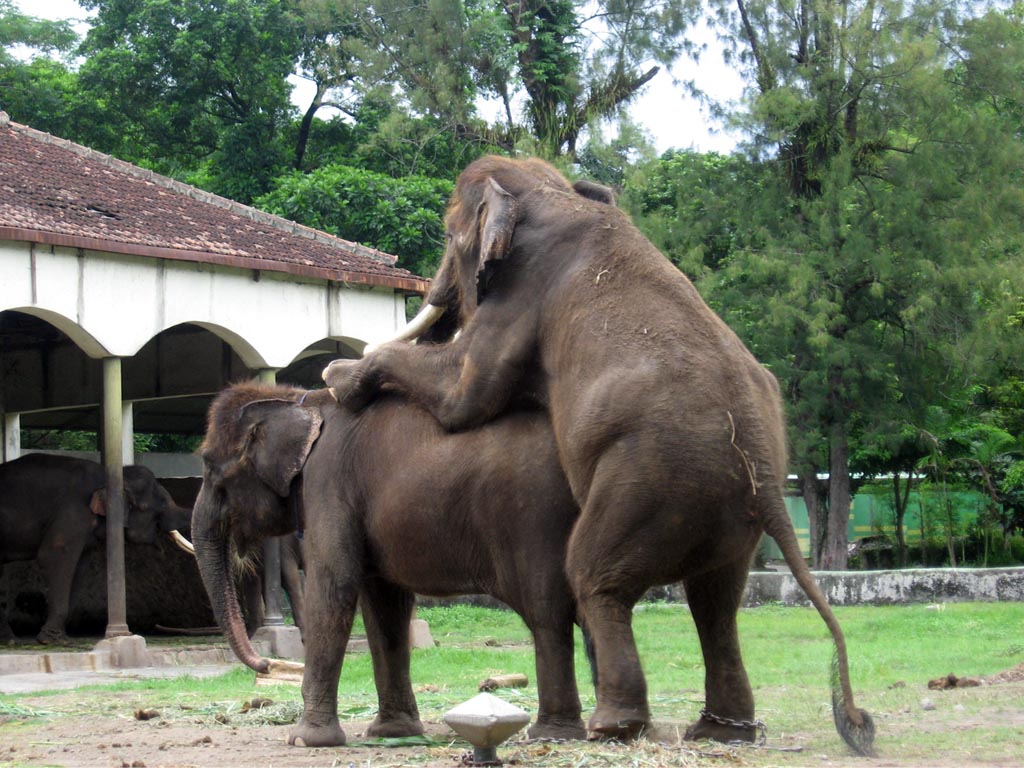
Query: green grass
[[894, 652]]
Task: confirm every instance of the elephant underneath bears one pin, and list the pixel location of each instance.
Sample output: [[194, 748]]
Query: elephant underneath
[[53, 507], [388, 504]]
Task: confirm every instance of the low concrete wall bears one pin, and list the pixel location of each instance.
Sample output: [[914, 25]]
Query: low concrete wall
[[912, 585]]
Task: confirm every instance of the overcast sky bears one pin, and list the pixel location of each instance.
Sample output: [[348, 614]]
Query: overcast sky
[[672, 119]]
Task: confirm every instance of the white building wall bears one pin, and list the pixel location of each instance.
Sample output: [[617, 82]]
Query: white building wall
[[111, 304]]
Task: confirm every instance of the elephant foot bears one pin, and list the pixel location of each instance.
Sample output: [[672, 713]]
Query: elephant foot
[[621, 723], [558, 729], [304, 734], [395, 727], [52, 637], [342, 380], [722, 730]]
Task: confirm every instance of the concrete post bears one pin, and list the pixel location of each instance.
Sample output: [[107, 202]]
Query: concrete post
[[11, 448], [128, 433], [272, 616], [117, 615], [284, 641]]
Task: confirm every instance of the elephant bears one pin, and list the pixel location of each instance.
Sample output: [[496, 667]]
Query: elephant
[[250, 588], [184, 491], [670, 432], [53, 507], [388, 505]]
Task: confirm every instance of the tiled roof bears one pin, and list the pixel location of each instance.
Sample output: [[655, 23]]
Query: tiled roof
[[59, 193]]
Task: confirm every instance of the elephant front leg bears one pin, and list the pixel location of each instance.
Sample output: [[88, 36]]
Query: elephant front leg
[[330, 611], [387, 610], [558, 716], [463, 383]]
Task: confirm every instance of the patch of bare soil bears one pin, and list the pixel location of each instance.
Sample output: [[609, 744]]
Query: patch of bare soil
[[79, 732]]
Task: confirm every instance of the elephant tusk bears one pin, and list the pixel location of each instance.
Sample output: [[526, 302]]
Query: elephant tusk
[[427, 316], [182, 542]]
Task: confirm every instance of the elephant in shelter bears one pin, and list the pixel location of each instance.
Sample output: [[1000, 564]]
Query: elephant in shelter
[[670, 432], [53, 507], [389, 504], [185, 490]]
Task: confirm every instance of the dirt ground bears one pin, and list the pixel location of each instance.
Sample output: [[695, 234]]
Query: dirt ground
[[115, 734]]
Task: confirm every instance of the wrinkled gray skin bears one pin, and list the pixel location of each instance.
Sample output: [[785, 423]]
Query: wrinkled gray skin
[[670, 432], [391, 505], [53, 507]]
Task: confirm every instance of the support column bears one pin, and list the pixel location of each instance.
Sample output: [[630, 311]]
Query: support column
[[113, 462], [11, 448], [128, 433], [272, 616], [284, 641]]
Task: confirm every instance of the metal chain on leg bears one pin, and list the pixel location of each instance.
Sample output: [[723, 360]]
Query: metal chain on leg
[[758, 725]]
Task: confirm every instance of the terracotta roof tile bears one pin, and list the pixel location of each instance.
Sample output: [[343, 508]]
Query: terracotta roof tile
[[59, 193]]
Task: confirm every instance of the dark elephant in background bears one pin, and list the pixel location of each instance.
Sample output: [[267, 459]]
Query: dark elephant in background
[[53, 507], [670, 432], [390, 505]]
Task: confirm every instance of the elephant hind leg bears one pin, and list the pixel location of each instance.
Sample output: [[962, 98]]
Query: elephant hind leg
[[6, 634], [714, 598], [57, 562], [607, 579]]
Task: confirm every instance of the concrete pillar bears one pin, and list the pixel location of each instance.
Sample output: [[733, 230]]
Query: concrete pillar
[[284, 641], [272, 616], [117, 612], [11, 448], [128, 433]]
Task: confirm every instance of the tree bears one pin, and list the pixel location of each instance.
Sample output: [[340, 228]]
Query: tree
[[882, 160], [187, 82], [569, 67], [35, 88], [399, 216]]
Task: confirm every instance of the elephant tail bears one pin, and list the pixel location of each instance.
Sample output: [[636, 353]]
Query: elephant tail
[[854, 725]]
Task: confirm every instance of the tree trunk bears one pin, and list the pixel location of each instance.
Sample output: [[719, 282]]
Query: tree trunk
[[835, 550], [815, 494], [307, 122], [901, 500]]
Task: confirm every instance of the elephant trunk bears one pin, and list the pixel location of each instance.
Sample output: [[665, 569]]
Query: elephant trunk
[[212, 555]]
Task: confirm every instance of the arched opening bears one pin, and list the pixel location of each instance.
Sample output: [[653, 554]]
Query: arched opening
[[305, 369]]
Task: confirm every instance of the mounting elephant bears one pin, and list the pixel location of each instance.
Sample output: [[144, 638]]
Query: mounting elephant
[[670, 432], [53, 507], [388, 504]]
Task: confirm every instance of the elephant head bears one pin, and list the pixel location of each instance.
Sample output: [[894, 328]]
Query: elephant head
[[256, 443], [150, 509], [481, 220]]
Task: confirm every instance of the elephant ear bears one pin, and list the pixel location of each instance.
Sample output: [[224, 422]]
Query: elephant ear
[[279, 436], [496, 219], [594, 191]]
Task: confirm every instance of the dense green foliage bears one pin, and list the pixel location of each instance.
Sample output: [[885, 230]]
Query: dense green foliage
[[861, 248], [398, 216]]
